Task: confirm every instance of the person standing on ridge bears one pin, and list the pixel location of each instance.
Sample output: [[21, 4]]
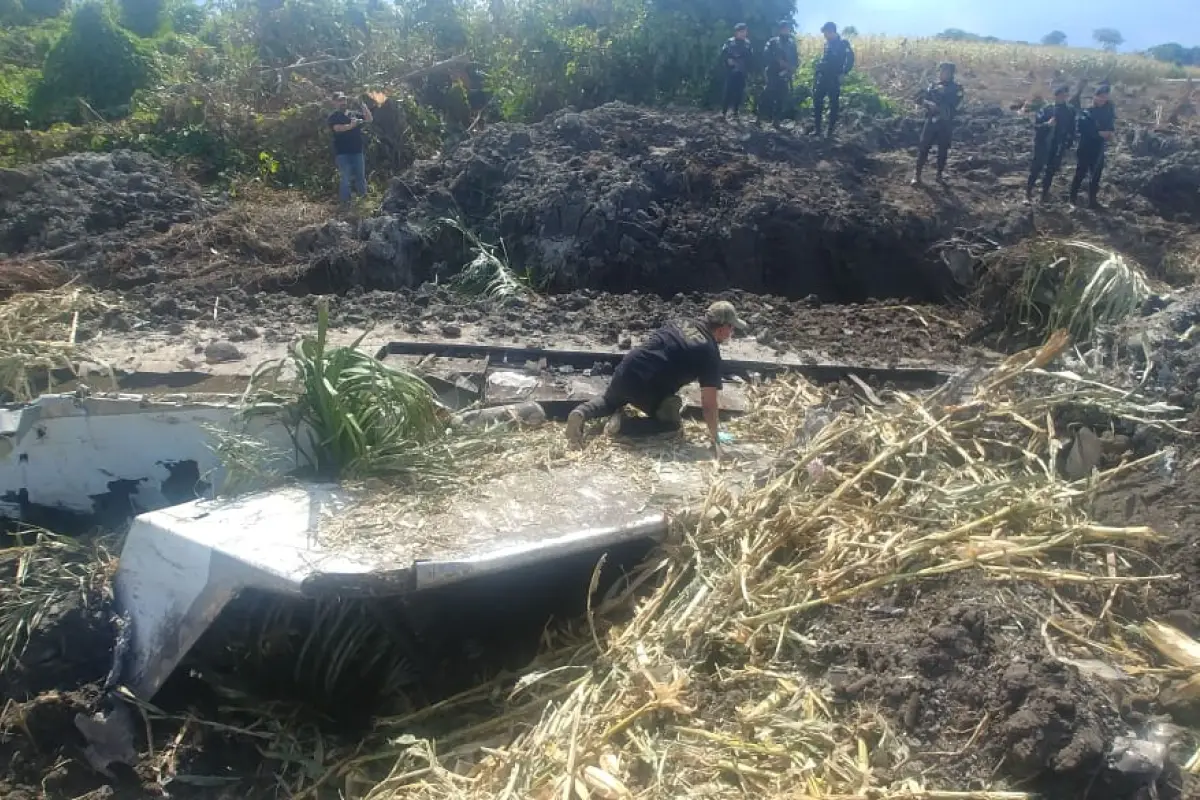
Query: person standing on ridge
[[782, 62], [650, 376], [940, 101], [735, 55], [835, 62], [1096, 129], [348, 147], [1053, 135]]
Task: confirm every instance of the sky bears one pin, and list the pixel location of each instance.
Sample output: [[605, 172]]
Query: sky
[[1143, 23]]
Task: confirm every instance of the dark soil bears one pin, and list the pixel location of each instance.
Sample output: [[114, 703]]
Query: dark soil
[[959, 670], [619, 198], [72, 208], [877, 332]]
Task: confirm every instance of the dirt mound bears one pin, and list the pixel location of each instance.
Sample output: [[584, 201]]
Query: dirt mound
[[621, 198], [955, 669], [67, 208]]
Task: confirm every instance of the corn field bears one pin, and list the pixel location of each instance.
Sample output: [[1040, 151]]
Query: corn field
[[1039, 60]]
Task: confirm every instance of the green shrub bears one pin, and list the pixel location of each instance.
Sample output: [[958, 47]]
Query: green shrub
[[95, 61], [16, 89], [44, 9], [143, 17]]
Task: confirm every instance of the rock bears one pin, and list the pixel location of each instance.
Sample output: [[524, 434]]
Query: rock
[[625, 341], [165, 307], [221, 351], [451, 331], [1137, 759], [114, 320], [175, 328], [249, 331]]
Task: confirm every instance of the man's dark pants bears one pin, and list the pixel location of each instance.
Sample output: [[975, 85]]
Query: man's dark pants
[[774, 96], [735, 92], [937, 132], [1047, 160], [618, 395], [1089, 163], [831, 89]]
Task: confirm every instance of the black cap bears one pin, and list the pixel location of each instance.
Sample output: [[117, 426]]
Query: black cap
[[829, 26], [1062, 90], [1103, 89], [741, 26], [947, 65]]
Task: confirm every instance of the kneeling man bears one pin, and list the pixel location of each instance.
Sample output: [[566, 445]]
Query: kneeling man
[[650, 376]]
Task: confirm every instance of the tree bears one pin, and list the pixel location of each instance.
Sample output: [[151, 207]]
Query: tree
[[1054, 39], [143, 17], [1175, 53], [1109, 39], [96, 61], [849, 30]]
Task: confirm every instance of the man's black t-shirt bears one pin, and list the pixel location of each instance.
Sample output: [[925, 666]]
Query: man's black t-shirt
[[671, 358], [1093, 121], [346, 143]]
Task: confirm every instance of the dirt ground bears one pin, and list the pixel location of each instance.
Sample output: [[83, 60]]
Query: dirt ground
[[632, 217]]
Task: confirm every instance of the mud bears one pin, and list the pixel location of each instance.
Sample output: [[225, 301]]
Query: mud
[[71, 209], [879, 332], [955, 669]]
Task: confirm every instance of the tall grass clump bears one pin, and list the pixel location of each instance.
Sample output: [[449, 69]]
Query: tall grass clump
[[349, 413], [1047, 285]]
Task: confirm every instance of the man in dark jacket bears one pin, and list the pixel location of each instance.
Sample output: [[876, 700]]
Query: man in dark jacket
[[650, 376], [940, 101], [1053, 135], [1096, 127], [782, 62], [835, 62], [735, 56], [348, 147]]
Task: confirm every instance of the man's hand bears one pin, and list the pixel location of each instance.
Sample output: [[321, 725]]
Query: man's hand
[[1053, 121]]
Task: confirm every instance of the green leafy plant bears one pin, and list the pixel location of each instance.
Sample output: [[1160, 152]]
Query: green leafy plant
[[95, 61], [351, 415], [488, 273]]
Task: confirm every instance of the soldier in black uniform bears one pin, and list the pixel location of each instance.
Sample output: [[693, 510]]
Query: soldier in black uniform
[[649, 378], [1096, 127], [735, 55], [940, 101], [1053, 135], [835, 62], [782, 62]]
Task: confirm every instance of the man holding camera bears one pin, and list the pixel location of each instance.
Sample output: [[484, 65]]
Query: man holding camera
[[348, 147]]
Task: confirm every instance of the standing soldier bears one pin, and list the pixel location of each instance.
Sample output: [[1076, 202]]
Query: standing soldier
[[1096, 127], [835, 62], [782, 62], [735, 55], [1053, 135], [940, 101]]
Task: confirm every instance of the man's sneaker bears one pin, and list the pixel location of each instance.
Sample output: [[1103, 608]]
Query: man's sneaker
[[670, 411], [575, 422]]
